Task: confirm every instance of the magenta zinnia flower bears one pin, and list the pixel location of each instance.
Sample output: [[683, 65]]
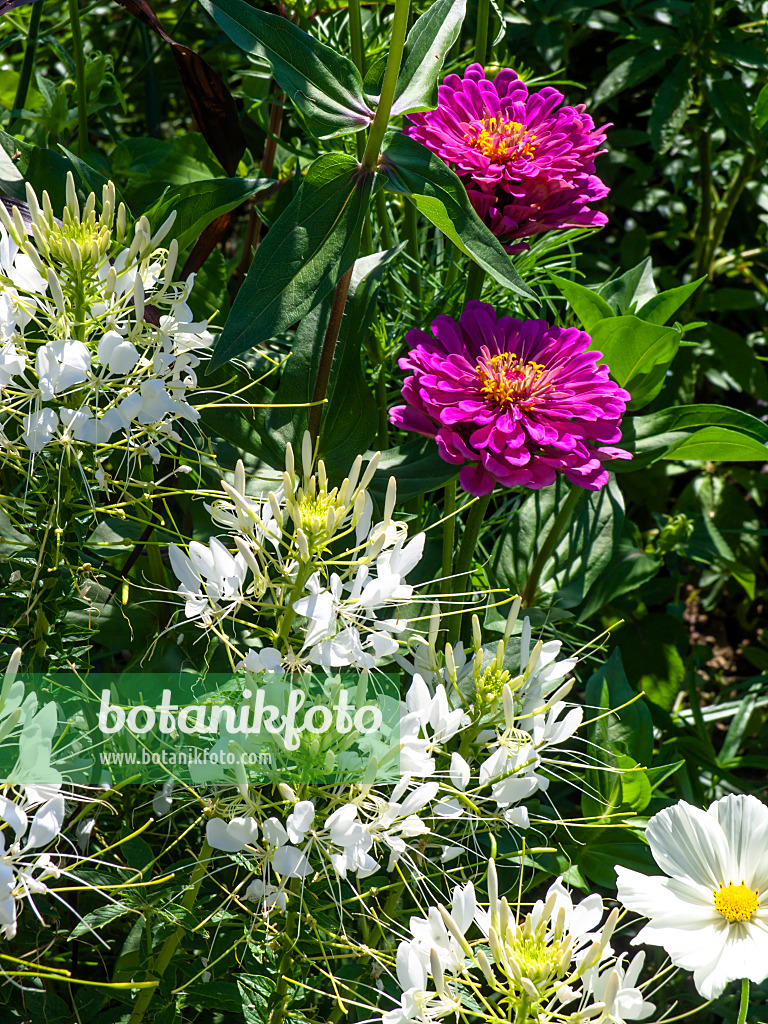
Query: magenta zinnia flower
[[527, 166], [513, 402]]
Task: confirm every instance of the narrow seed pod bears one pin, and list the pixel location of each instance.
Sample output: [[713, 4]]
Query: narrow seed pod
[[529, 988], [18, 223], [90, 206], [170, 263], [34, 257], [120, 223], [75, 254], [162, 231], [306, 456]]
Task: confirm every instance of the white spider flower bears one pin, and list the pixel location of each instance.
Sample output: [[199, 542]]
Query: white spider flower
[[97, 342], [23, 868], [710, 910]]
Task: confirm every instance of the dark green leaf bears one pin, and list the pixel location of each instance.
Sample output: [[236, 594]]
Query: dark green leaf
[[350, 416], [411, 169], [417, 468], [670, 108], [637, 353], [629, 73], [628, 569], [311, 245], [325, 86], [761, 108], [430, 39], [584, 550], [727, 99], [737, 52], [200, 202], [654, 650], [605, 850]]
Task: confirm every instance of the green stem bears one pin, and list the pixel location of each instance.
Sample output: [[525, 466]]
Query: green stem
[[561, 520], [481, 40], [475, 280], [82, 99], [356, 36], [382, 218], [522, 1010], [382, 437], [731, 198], [381, 119], [705, 215], [449, 535], [171, 944], [412, 248], [465, 556], [326, 355], [744, 1001], [25, 75]]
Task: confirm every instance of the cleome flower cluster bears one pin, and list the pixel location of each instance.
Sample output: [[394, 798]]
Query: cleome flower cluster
[[553, 964], [528, 164], [98, 344]]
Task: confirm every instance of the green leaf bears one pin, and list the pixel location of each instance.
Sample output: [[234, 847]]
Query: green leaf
[[324, 85], [350, 417], [654, 437], [628, 569], [610, 847], [42, 168], [654, 650], [761, 108], [90, 178], [637, 353], [200, 202], [588, 306], [670, 108], [620, 738], [412, 170], [583, 552], [727, 99], [629, 73], [305, 253], [741, 53], [99, 918], [625, 292], [417, 468], [430, 39], [718, 444], [661, 307]]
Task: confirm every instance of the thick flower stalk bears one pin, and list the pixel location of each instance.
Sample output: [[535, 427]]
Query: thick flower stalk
[[513, 402], [527, 162], [97, 343], [545, 965]]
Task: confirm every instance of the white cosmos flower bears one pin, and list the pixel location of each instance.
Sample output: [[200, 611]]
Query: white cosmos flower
[[710, 910]]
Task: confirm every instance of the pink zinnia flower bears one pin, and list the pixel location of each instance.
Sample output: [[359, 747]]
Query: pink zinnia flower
[[513, 402], [527, 166]]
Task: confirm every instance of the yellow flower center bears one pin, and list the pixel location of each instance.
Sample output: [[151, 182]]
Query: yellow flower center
[[314, 510], [501, 140], [736, 902], [506, 380]]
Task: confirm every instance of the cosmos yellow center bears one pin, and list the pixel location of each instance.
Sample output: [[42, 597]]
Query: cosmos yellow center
[[506, 380], [736, 902], [501, 140]]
